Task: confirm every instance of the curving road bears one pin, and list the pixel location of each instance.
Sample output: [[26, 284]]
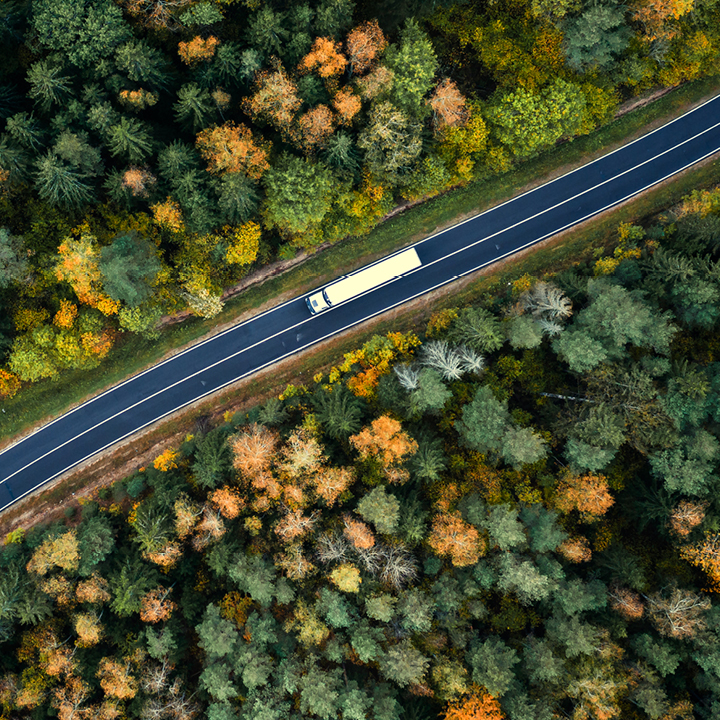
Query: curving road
[[288, 328]]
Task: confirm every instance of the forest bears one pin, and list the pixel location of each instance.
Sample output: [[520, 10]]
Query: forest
[[153, 152], [514, 515]]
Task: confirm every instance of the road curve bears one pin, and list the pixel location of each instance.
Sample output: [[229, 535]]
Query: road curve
[[266, 338]]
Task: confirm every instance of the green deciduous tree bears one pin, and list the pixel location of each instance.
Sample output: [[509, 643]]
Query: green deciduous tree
[[521, 576], [614, 318], [527, 122], [492, 663], [391, 141], [414, 64], [253, 576], [380, 508], [431, 393], [689, 468], [524, 332], [484, 421], [298, 195], [416, 611], [522, 446], [544, 532], [404, 664], [218, 636]]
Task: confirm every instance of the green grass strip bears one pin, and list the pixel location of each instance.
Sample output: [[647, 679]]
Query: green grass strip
[[44, 400]]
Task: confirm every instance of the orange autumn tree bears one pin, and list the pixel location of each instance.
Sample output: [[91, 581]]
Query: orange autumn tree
[[627, 603], [137, 180], [231, 148], [478, 706], [448, 105], [156, 606], [78, 265], [89, 629], [9, 384], [198, 49], [168, 215], [588, 494], [576, 549], [275, 98], [385, 441], [686, 517], [315, 126], [364, 45], [228, 501], [657, 16], [347, 105], [116, 678], [358, 533], [325, 57], [69, 699], [62, 551], [65, 316], [705, 554], [450, 536]]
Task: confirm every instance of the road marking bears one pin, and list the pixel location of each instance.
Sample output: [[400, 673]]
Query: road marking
[[364, 319], [235, 328]]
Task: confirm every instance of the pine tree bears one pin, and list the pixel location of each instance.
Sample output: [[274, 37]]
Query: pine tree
[[195, 108], [48, 84], [130, 138]]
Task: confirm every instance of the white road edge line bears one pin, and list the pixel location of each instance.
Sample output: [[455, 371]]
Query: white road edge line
[[420, 242], [302, 322], [365, 319]]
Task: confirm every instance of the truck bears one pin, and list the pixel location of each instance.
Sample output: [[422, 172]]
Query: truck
[[359, 282]]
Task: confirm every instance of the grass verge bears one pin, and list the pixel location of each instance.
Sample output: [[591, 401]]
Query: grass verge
[[576, 246], [40, 402]]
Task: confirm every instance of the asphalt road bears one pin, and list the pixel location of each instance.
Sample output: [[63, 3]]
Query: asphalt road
[[288, 328]]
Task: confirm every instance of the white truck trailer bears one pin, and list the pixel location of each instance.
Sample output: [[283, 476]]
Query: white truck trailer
[[363, 280]]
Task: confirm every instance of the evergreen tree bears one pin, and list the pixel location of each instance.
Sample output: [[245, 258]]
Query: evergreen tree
[[596, 37], [128, 266], [267, 32], [414, 65], [49, 85], [13, 259], [298, 195], [339, 412], [83, 30], [26, 130], [61, 184], [130, 138], [195, 108], [238, 197], [143, 64], [212, 459], [492, 662]]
